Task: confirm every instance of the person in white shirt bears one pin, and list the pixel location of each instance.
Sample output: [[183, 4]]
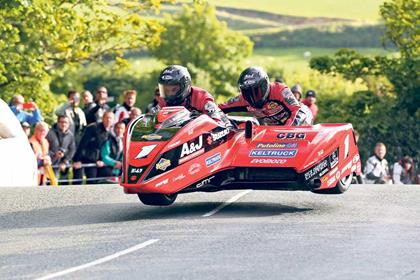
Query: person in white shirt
[[376, 170]]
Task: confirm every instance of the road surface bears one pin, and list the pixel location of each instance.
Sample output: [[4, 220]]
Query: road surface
[[98, 232]]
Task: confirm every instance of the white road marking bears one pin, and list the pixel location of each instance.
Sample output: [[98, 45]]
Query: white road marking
[[224, 204], [99, 261]]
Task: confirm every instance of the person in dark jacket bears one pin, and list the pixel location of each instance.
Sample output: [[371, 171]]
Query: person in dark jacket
[[96, 113], [62, 146], [88, 151], [112, 151]]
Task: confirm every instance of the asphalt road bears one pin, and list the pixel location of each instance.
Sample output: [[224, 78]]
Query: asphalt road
[[97, 232]]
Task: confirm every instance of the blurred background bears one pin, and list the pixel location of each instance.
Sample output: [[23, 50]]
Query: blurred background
[[361, 56]]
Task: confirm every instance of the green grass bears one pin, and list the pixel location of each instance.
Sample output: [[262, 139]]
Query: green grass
[[349, 9], [292, 60]]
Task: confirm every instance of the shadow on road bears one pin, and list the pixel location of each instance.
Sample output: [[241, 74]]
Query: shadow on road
[[124, 212]]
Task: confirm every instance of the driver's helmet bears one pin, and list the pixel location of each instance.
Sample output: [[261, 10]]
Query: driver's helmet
[[254, 85], [174, 84]]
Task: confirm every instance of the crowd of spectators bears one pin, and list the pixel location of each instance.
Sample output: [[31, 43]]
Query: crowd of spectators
[[87, 141]]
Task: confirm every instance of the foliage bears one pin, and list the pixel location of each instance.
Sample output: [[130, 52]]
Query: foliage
[[389, 113], [38, 38], [376, 120], [331, 37], [196, 39]]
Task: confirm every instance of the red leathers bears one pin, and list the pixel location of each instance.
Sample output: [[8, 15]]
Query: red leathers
[[201, 101], [280, 108]]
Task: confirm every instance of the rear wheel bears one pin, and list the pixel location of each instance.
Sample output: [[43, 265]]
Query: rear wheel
[[157, 199], [342, 186]]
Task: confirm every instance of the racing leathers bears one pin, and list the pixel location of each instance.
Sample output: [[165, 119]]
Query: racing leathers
[[281, 108], [199, 101]]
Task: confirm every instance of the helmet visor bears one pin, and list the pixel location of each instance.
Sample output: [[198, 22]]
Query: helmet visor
[[168, 91], [253, 95]]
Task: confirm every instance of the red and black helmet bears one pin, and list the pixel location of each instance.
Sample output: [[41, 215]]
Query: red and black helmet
[[254, 85]]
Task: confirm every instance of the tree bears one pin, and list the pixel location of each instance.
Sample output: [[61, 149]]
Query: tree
[[197, 39], [388, 114], [39, 37], [401, 21]]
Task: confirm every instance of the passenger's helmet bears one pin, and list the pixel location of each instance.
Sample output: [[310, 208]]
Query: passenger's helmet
[[174, 84], [254, 85]]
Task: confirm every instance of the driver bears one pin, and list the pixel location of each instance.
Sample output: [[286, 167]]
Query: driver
[[271, 103], [176, 90]]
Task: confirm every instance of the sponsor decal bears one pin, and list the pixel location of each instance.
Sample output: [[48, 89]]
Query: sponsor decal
[[291, 135], [209, 140], [163, 164], [164, 182], [191, 147], [317, 169], [151, 137], [274, 145], [353, 168], [268, 161], [145, 151], [213, 159], [320, 153], [273, 153], [348, 166], [220, 134], [333, 171], [137, 170], [333, 158], [194, 168], [330, 181], [272, 105], [356, 158], [323, 172], [204, 182], [324, 179], [179, 177], [337, 175]]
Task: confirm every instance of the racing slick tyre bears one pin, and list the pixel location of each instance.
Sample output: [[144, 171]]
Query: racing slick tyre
[[157, 199], [342, 186]]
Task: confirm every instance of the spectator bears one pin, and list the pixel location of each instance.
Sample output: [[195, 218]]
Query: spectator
[[403, 171], [87, 101], [74, 113], [111, 152], [122, 111], [40, 147], [297, 92], [26, 128], [134, 113], [62, 146], [96, 113], [88, 150], [18, 105], [154, 103], [376, 169], [310, 101]]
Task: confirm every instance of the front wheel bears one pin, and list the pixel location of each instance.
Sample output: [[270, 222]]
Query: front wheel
[[157, 199], [342, 186]]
